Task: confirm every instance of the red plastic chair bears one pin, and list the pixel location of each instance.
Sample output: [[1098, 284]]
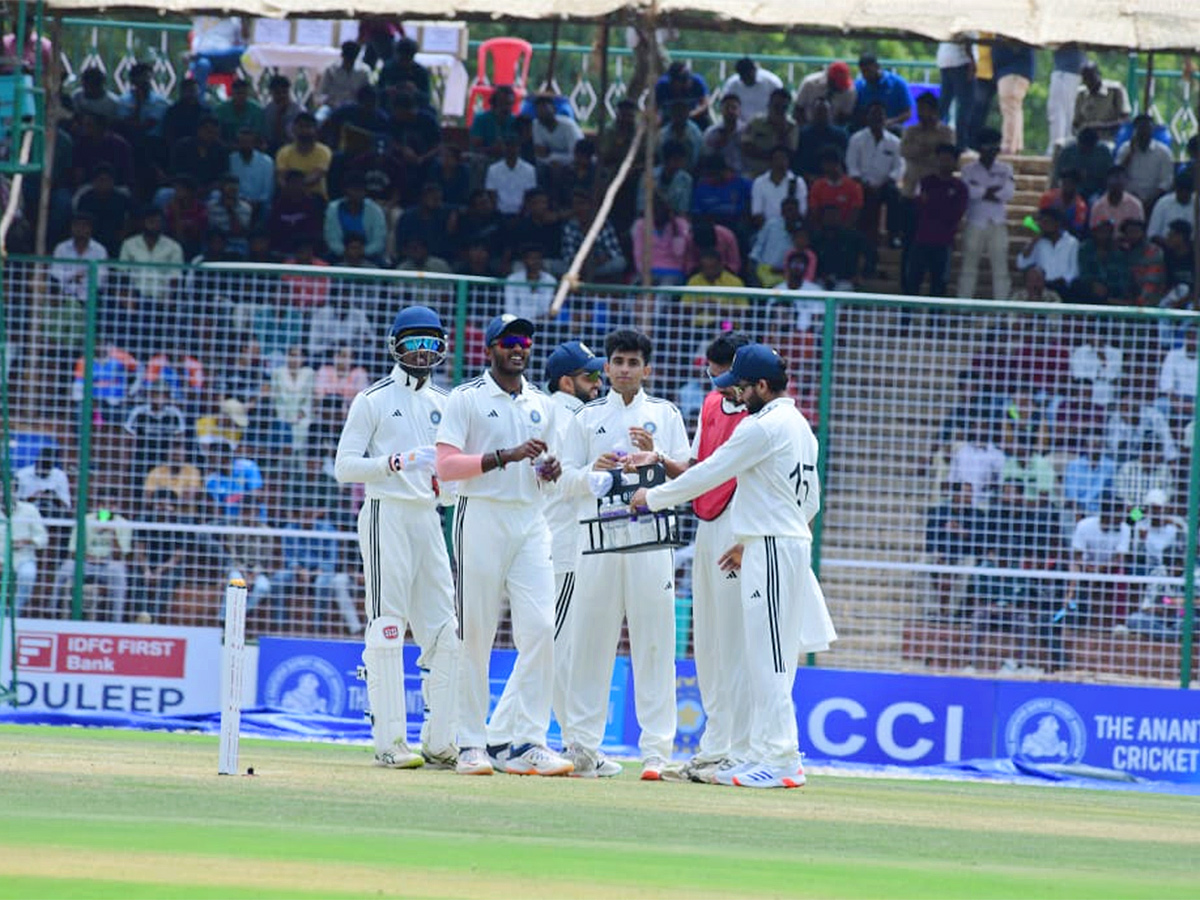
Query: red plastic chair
[[510, 66]]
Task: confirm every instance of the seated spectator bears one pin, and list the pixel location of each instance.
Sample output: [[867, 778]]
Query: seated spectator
[[941, 201], [341, 81], [801, 265], [44, 483], [1068, 202], [1034, 289], [774, 241], [1089, 157], [529, 291], [873, 159], [952, 536], [108, 207], [835, 191], [1148, 162], [835, 86], [93, 95], [770, 189], [1146, 472], [28, 535], [1100, 105], [765, 134], [1054, 251], [153, 425], [583, 173], [182, 118], [305, 155], [279, 115], [234, 484], [305, 291], [70, 274], [383, 170], [417, 257], [724, 137], [417, 140], [1134, 420], [1179, 264], [818, 136], [355, 214], [751, 86], [672, 179], [185, 216], [254, 171], [481, 222], [97, 148], [1173, 207], [682, 130], [357, 124], [403, 75], [159, 557], [150, 245], [1096, 363], [296, 216], [1177, 381], [888, 88], [979, 463], [679, 82], [1100, 544], [176, 475], [244, 383], [1089, 476], [541, 227], [231, 216], [239, 112], [492, 127], [183, 375], [1146, 265], [839, 249], [142, 108], [671, 236], [343, 320], [341, 378], [707, 310], [721, 195], [606, 261], [509, 179], [450, 173], [1116, 204], [108, 541], [1104, 269], [292, 400], [1030, 470], [431, 219], [278, 327], [708, 235]]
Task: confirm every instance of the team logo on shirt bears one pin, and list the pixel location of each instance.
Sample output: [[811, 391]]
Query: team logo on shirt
[[535, 416], [650, 427], [435, 417]]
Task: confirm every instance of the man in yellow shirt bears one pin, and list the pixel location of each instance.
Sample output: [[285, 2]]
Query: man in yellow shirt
[[708, 310], [305, 154]]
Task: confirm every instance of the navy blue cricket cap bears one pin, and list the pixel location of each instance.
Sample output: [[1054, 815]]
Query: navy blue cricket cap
[[508, 324], [573, 356], [750, 363]]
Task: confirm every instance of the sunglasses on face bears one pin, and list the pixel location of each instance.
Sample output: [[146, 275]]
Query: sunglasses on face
[[511, 341], [414, 344], [589, 376]]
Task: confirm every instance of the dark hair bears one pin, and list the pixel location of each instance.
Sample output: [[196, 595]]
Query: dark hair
[[352, 236], [207, 120], [830, 154], [626, 340], [585, 146], [1087, 136], [1115, 170], [406, 46], [347, 46], [1183, 181], [306, 117], [929, 99], [784, 92], [724, 346], [279, 81], [1182, 227], [986, 136], [354, 179], [867, 59]]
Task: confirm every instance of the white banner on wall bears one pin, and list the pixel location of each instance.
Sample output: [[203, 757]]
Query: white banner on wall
[[103, 667]]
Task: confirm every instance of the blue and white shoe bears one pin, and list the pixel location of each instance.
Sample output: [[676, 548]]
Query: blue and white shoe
[[756, 776], [726, 773]]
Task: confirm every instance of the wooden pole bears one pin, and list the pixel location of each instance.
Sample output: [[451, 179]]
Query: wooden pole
[[50, 80], [648, 44], [1148, 86], [549, 84], [602, 112]]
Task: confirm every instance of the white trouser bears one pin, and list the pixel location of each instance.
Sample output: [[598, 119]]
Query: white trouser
[[978, 239], [609, 587], [564, 591], [1060, 106], [504, 549], [720, 646], [785, 616], [26, 570], [407, 574]]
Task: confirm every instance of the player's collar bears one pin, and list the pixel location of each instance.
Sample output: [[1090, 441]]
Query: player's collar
[[778, 401], [569, 401], [497, 389], [614, 397]]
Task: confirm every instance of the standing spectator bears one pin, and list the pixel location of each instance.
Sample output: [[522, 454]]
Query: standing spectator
[[725, 137], [509, 179], [918, 146], [292, 399], [108, 541], [1068, 202], [956, 64], [1064, 86], [706, 311], [941, 200], [1148, 162], [1101, 105], [1173, 207], [1087, 156], [985, 85], [990, 186], [355, 213], [70, 274], [670, 239], [1116, 204], [873, 159], [681, 83], [1104, 275], [402, 74], [279, 114], [835, 191], [108, 207], [832, 84], [752, 85], [306, 155], [1054, 251], [815, 138], [838, 247], [492, 127], [764, 133], [874, 84], [254, 171], [28, 535], [150, 245], [239, 112], [775, 185], [341, 82], [1014, 68], [295, 216]]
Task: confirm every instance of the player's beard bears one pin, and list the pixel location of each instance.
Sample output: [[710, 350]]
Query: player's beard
[[752, 401]]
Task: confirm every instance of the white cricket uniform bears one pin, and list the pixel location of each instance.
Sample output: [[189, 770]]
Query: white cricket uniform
[[502, 545], [773, 455], [405, 563], [562, 516], [718, 630], [639, 587]]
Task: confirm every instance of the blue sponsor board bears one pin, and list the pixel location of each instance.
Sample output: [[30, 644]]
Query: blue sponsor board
[[307, 677]]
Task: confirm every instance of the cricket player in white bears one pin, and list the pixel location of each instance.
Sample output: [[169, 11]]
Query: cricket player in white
[[773, 455], [387, 444], [493, 431], [639, 587]]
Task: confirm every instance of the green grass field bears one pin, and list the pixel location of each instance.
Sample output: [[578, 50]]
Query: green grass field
[[88, 813]]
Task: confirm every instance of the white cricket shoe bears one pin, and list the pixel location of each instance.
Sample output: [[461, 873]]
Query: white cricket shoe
[[653, 768], [398, 756], [769, 777], [473, 761], [534, 759], [591, 764], [440, 759]]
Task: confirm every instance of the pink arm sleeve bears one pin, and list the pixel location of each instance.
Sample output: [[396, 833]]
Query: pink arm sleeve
[[454, 465]]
